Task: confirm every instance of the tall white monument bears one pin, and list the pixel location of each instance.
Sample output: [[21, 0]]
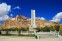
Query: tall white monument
[[33, 24]]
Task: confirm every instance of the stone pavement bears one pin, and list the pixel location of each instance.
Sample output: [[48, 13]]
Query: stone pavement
[[17, 38]]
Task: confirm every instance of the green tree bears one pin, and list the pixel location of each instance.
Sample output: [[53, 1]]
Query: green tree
[[19, 30], [0, 30], [38, 29], [45, 29], [51, 28], [7, 31], [57, 27], [24, 29]]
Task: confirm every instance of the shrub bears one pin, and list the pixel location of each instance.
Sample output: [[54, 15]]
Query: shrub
[[13, 29], [24, 29], [38, 29], [51, 28], [45, 29], [3, 29], [57, 27]]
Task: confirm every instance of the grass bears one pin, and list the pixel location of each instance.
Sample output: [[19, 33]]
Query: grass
[[60, 33], [8, 35], [29, 35]]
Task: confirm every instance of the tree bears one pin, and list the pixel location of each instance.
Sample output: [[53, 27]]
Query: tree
[[7, 31], [57, 27], [38, 29], [0, 30], [45, 29], [19, 30], [51, 28]]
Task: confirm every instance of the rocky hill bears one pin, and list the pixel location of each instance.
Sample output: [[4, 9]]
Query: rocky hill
[[22, 21]]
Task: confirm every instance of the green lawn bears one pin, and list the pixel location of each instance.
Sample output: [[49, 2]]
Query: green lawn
[[29, 35], [60, 33]]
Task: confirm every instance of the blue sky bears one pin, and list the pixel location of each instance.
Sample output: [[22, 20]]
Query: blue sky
[[47, 9]]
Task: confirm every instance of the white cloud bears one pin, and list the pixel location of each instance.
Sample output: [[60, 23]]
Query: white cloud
[[5, 17], [11, 15], [17, 7], [4, 9], [41, 18], [55, 20], [57, 17]]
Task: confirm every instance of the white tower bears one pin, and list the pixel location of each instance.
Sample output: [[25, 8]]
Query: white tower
[[33, 25]]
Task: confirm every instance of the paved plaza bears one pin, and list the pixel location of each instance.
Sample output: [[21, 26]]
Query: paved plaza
[[17, 38]]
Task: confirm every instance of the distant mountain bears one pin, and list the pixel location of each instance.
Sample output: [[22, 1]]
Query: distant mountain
[[22, 21]]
